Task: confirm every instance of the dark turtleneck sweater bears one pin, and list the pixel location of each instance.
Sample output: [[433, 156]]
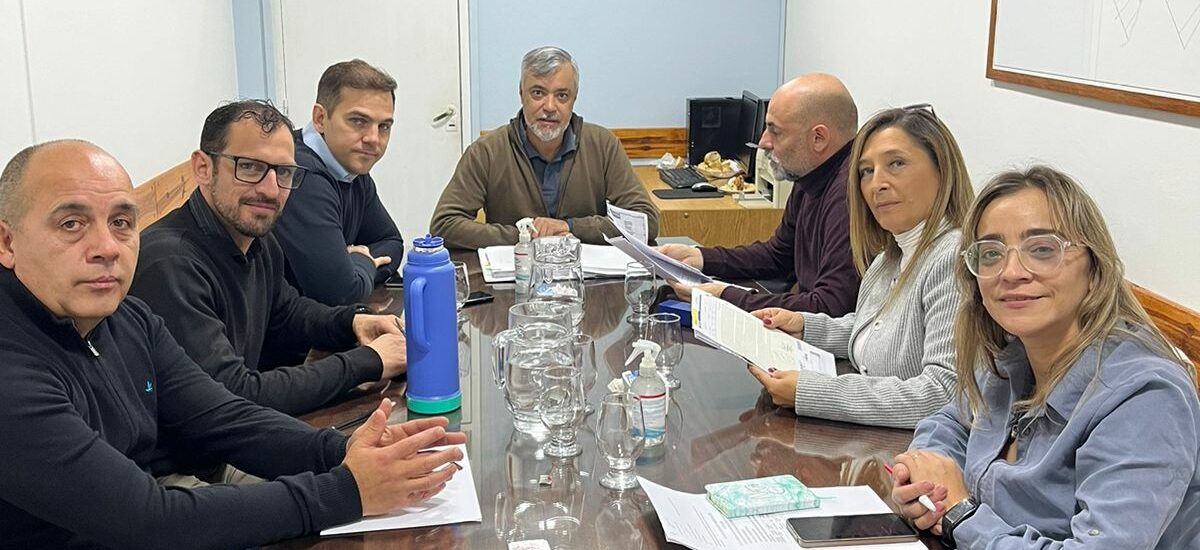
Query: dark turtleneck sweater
[[229, 310], [811, 247]]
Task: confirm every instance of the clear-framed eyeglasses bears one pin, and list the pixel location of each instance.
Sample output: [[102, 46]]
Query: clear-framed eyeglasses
[[251, 171], [1039, 254]]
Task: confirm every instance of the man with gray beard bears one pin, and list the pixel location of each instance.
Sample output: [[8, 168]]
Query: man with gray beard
[[546, 164], [811, 122]]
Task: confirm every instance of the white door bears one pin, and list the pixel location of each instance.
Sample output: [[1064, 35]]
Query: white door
[[418, 44]]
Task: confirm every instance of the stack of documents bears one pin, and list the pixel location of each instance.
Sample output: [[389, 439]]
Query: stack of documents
[[597, 261], [690, 520], [732, 329]]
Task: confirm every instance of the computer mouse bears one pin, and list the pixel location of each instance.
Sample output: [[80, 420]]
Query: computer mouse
[[703, 186]]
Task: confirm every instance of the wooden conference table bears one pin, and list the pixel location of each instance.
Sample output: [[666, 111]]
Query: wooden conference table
[[721, 427]]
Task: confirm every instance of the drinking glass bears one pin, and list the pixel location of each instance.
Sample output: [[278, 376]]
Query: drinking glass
[[663, 329], [462, 284], [557, 274], [619, 437], [561, 409], [539, 312], [584, 349], [639, 291]]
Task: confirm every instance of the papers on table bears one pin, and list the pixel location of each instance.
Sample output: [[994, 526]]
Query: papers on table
[[732, 329], [692, 521], [633, 225], [457, 503], [596, 260]]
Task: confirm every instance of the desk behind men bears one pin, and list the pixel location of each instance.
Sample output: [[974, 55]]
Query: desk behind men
[[720, 428], [711, 222]]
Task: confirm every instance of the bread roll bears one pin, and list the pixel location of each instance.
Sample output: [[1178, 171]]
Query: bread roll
[[712, 161]]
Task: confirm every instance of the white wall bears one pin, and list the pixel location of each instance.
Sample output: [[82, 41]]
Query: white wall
[[638, 61], [1141, 166], [14, 82], [137, 77]]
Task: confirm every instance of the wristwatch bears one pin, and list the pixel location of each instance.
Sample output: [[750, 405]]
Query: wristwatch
[[955, 516]]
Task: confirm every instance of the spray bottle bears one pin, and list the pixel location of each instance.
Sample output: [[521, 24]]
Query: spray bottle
[[523, 257], [651, 391]]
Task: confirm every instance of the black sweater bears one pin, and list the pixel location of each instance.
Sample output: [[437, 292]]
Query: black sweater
[[224, 307], [322, 217], [87, 423]]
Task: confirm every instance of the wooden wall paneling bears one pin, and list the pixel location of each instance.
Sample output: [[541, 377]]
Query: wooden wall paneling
[[164, 192], [1180, 324], [652, 143], [648, 143]]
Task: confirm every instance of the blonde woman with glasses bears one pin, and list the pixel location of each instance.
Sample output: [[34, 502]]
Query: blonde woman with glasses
[[1076, 424], [909, 192]]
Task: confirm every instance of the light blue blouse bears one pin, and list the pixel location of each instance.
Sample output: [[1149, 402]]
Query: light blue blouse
[[1111, 462]]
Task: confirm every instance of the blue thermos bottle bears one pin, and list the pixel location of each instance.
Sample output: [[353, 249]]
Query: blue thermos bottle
[[431, 328]]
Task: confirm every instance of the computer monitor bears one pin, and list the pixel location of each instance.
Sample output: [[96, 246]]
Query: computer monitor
[[751, 122]]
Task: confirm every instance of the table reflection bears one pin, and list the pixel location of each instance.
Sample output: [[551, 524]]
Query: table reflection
[[720, 427]]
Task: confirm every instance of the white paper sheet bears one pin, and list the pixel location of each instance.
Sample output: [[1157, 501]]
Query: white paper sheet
[[457, 503], [690, 520], [596, 260], [737, 331], [632, 225]]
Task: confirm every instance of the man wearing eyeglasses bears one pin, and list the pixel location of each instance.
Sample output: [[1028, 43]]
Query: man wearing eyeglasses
[[215, 273], [339, 240]]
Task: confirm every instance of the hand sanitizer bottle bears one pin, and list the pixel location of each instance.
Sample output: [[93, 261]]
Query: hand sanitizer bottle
[[523, 258], [651, 391]]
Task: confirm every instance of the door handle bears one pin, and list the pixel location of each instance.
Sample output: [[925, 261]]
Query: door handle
[[444, 116]]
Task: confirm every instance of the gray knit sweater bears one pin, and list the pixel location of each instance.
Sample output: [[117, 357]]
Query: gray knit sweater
[[907, 372]]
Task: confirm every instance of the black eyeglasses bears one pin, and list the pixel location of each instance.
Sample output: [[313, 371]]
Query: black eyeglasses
[[252, 171], [920, 108]]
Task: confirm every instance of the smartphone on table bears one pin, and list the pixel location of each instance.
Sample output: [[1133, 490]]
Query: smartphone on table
[[477, 297], [830, 531]]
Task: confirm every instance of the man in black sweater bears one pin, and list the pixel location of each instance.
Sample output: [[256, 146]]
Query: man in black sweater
[[98, 398], [214, 271], [339, 240]]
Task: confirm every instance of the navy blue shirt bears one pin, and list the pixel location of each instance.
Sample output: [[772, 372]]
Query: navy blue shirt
[[330, 210]]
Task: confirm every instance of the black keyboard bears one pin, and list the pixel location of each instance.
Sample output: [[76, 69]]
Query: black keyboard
[[681, 178]]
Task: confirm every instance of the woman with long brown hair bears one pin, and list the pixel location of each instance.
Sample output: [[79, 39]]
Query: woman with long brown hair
[[909, 192]]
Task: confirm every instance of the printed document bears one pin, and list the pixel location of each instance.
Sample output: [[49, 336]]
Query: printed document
[[596, 261], [457, 503], [735, 330], [692, 521], [631, 224]]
